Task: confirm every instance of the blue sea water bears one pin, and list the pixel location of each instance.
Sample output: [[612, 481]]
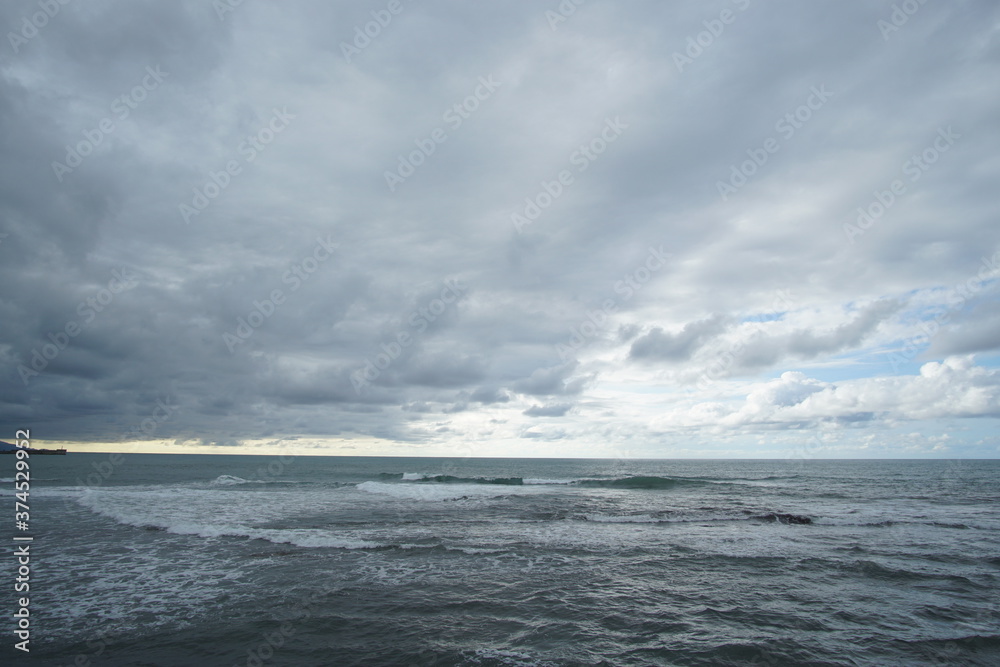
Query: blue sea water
[[247, 560]]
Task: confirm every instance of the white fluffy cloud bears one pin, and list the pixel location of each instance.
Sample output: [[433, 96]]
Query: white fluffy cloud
[[954, 388]]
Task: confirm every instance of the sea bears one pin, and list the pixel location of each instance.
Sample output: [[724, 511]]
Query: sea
[[279, 560]]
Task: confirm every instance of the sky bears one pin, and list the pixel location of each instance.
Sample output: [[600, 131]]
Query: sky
[[729, 229]]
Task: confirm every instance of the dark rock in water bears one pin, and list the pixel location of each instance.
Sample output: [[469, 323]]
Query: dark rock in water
[[785, 518]]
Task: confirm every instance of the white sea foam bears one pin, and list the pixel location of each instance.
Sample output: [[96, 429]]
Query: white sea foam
[[180, 520], [476, 551], [540, 481], [433, 492], [413, 476], [229, 480], [622, 518], [506, 658]]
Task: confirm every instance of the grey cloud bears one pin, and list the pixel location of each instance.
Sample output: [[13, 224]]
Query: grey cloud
[[768, 350], [660, 346], [554, 410], [494, 349], [552, 381]]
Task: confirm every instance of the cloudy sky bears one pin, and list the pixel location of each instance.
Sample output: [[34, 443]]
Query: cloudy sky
[[642, 229]]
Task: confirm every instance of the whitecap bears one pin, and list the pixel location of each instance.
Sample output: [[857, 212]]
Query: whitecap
[[229, 480], [439, 491]]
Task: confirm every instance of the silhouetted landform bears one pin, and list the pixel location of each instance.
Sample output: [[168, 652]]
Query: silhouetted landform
[[7, 448]]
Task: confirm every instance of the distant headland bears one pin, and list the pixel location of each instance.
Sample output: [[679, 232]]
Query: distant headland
[[7, 448]]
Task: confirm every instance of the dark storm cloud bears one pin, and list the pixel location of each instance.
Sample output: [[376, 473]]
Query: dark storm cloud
[[290, 218]]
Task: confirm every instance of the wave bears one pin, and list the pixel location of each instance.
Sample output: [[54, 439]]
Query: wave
[[233, 480], [636, 482], [776, 517], [229, 480], [437, 492], [641, 482], [892, 523], [876, 570], [301, 537], [773, 517], [450, 479], [624, 518]]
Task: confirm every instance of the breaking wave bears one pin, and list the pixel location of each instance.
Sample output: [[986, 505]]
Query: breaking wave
[[633, 483]]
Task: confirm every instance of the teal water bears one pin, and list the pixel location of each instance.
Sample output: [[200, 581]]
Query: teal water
[[247, 560]]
